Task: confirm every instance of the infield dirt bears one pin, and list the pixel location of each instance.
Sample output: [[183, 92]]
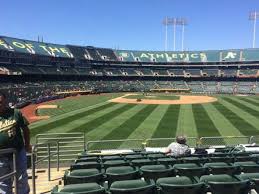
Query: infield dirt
[[184, 99]]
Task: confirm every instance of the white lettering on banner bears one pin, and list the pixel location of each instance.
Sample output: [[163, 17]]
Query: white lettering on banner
[[230, 55], [151, 55], [144, 55], [160, 55]]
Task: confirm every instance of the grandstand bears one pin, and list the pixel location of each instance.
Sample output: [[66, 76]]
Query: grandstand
[[222, 71]]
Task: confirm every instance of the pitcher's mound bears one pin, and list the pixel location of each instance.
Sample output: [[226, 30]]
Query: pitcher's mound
[[184, 99]]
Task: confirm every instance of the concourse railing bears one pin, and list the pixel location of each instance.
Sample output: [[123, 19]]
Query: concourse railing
[[35, 161], [70, 145], [126, 144], [12, 174], [202, 142]]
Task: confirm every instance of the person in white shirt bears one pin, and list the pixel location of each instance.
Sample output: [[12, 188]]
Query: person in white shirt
[[178, 148]]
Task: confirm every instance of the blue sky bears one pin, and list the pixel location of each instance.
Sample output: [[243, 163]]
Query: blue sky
[[131, 24]]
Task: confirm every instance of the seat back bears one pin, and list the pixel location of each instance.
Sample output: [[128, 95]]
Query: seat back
[[223, 183], [121, 173], [190, 170], [156, 171], [180, 185], [112, 163], [221, 168], [86, 188], [86, 165], [83, 176], [133, 187]]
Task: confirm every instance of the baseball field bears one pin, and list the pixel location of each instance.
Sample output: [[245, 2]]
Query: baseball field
[[103, 117]]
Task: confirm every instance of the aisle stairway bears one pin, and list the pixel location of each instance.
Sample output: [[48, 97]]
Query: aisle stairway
[[42, 183]]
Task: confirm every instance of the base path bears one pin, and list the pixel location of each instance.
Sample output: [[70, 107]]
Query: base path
[[184, 99]]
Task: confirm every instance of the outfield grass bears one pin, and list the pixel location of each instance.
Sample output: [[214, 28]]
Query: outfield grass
[[103, 120]]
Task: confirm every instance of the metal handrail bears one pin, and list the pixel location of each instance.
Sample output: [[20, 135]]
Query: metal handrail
[[14, 172], [66, 140], [35, 162], [111, 141]]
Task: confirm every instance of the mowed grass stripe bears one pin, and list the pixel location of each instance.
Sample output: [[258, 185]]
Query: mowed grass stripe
[[250, 101], [47, 127], [83, 120], [249, 110], [107, 127], [76, 103], [224, 126], [205, 126], [241, 124], [249, 105], [149, 125], [128, 127], [186, 122], [254, 98], [89, 126], [168, 124]]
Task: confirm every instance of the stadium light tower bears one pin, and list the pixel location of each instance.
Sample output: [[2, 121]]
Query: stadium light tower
[[174, 22], [182, 22], [165, 23], [254, 15]]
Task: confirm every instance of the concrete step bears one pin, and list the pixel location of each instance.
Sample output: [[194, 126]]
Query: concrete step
[[42, 184]]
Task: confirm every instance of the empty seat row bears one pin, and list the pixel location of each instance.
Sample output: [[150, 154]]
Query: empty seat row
[[163, 159], [137, 162], [216, 184], [155, 172]]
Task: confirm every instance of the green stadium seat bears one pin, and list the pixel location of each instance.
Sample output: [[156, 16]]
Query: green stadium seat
[[236, 154], [226, 159], [168, 161], [134, 157], [85, 165], [142, 162], [189, 169], [156, 171], [85, 188], [248, 166], [156, 156], [244, 158], [253, 178], [112, 163], [225, 184], [107, 158], [83, 176], [88, 159], [133, 187], [121, 173], [196, 160], [180, 185], [221, 168]]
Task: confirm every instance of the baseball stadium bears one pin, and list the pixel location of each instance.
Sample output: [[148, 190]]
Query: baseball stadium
[[101, 119]]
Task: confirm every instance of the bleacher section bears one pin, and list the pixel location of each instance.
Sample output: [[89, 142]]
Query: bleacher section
[[211, 87], [210, 72], [196, 87], [228, 72], [227, 87], [193, 73], [145, 172], [19, 92], [248, 72], [176, 72]]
